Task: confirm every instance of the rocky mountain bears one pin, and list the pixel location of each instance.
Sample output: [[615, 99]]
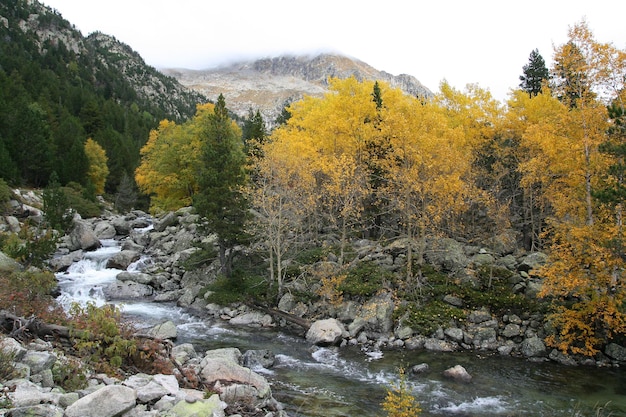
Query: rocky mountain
[[267, 84], [111, 63]]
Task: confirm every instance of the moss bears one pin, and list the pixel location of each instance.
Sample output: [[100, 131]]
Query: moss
[[426, 319], [365, 279]]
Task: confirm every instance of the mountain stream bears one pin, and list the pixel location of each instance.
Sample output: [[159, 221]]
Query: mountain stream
[[325, 382]]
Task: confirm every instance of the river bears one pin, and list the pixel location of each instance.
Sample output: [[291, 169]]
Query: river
[[326, 382]]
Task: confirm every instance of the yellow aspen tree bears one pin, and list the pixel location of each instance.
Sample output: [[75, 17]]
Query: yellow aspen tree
[[98, 170], [170, 162], [583, 274], [281, 199], [429, 165]]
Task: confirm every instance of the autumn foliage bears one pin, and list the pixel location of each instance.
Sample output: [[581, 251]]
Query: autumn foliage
[[367, 161]]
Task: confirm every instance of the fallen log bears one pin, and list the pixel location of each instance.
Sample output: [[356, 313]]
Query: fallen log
[[299, 321], [23, 328]]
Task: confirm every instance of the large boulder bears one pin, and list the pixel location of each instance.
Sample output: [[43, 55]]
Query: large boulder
[[122, 259], [104, 230], [109, 401], [212, 406], [532, 261], [325, 332], [457, 373], [83, 237], [128, 290], [447, 254], [8, 264], [163, 331], [220, 372], [533, 347], [615, 351]]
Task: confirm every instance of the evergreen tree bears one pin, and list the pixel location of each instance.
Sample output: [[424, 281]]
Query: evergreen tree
[[254, 133], [220, 199], [535, 74], [126, 196], [56, 206], [284, 115]]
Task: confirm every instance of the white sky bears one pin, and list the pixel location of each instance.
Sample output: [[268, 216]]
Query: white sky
[[462, 41]]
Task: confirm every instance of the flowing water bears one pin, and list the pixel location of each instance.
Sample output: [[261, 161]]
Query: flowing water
[[325, 382]]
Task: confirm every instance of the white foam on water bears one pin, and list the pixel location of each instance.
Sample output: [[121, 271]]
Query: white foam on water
[[481, 404]]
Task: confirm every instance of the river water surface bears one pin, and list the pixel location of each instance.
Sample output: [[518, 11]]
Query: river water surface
[[326, 382]]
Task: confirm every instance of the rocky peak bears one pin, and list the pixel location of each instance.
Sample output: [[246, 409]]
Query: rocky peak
[[268, 83]]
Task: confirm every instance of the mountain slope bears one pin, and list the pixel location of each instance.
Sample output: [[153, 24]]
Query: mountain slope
[[267, 84], [58, 88]]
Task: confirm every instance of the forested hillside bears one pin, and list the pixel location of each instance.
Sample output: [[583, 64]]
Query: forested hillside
[[58, 88]]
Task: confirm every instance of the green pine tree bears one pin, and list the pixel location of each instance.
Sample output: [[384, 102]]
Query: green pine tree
[[535, 74], [220, 199]]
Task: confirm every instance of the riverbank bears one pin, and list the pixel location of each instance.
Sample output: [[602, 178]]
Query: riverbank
[[164, 250]]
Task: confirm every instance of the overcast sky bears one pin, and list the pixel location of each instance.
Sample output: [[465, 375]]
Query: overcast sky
[[462, 41]]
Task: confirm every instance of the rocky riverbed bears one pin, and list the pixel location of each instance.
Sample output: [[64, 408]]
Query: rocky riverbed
[[159, 248], [175, 236]]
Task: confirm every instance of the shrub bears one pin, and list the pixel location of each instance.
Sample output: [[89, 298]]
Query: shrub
[[102, 337], [399, 401], [77, 200], [426, 319], [70, 374], [365, 279], [32, 246], [7, 366], [240, 287], [5, 195], [28, 293]]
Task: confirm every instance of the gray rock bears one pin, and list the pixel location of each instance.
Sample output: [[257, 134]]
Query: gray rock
[[287, 302], [533, 347], [39, 361], [511, 330], [150, 392], [182, 353], [505, 243], [447, 254], [169, 382], [229, 354], [128, 290], [532, 261], [225, 372], [39, 410], [121, 225], [455, 334], [10, 346], [421, 368], [8, 264], [212, 406], [453, 300], [457, 373], [122, 259], [104, 230], [615, 351], [483, 259], [437, 345], [61, 263], [258, 358], [170, 219], [479, 316], [109, 401], [83, 237], [138, 277], [253, 318], [164, 331], [558, 356], [28, 394], [325, 332]]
